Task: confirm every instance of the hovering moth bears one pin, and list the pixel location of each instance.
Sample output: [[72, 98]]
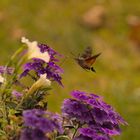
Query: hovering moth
[[86, 59]]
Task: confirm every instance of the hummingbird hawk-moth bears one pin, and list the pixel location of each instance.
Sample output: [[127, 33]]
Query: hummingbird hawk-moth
[[86, 59]]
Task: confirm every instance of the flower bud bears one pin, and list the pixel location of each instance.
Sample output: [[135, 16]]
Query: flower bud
[[42, 82]]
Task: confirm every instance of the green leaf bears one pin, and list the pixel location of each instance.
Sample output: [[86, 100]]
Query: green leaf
[[11, 104], [2, 133]]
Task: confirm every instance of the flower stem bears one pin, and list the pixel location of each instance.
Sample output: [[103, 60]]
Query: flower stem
[[76, 129]]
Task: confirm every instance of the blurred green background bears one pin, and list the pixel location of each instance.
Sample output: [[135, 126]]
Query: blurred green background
[[65, 25]]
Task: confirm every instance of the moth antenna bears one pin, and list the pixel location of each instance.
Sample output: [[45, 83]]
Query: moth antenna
[[78, 54], [64, 60], [73, 54]]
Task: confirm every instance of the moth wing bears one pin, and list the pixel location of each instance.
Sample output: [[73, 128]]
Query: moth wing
[[87, 53], [92, 59]]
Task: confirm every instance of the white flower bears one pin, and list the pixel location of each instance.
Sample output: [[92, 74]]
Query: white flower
[[42, 82], [1, 79], [34, 50]]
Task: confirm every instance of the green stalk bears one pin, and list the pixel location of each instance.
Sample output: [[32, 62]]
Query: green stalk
[[75, 132], [6, 84]]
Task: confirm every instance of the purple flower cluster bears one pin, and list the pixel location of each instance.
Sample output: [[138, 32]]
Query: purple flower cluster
[[97, 119], [40, 121], [39, 66]]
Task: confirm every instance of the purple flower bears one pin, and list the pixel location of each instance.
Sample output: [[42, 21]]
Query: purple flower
[[93, 134], [88, 132], [32, 134], [110, 132], [53, 72], [36, 65], [79, 95], [91, 111], [39, 66], [81, 137], [7, 70], [57, 122], [16, 94], [76, 110], [42, 120], [52, 53], [99, 115]]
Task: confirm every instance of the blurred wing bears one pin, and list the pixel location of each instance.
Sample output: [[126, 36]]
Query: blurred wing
[[92, 59], [87, 53]]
